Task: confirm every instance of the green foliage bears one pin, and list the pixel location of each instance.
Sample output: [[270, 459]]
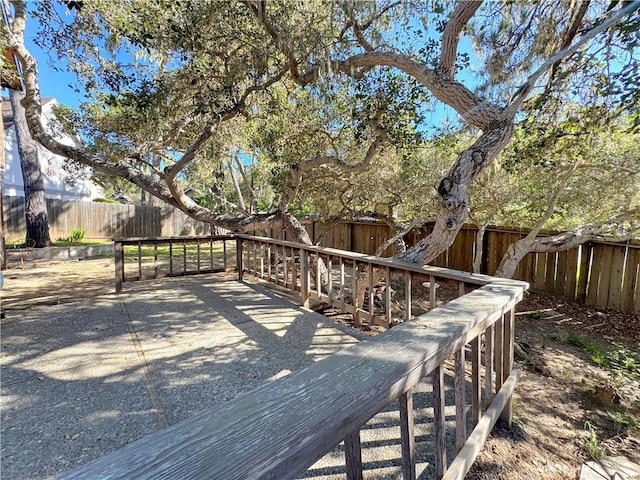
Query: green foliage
[[77, 234], [591, 445], [104, 200], [620, 360]]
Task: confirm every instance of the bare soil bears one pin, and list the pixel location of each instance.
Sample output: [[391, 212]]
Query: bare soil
[[561, 393]]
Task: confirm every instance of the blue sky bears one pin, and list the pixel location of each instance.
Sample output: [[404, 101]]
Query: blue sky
[[52, 83]]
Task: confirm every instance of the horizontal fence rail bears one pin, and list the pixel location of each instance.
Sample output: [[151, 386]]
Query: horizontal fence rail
[[363, 285], [152, 258], [282, 428], [599, 273]]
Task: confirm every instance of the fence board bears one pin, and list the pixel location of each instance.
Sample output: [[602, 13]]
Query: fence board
[[631, 282], [102, 220], [615, 278]]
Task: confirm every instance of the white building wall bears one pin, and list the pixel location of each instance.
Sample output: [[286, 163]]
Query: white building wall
[[51, 165]]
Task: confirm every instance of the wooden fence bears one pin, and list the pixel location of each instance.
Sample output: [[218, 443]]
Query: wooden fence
[[596, 273], [103, 220]]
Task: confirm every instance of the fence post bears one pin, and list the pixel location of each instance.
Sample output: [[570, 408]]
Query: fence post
[[118, 253], [239, 258]]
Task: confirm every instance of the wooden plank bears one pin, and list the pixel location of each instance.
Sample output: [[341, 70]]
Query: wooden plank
[[407, 437], [550, 274], [476, 363], [584, 266], [118, 254], [432, 291], [616, 268], [439, 435], [571, 273], [595, 271], [304, 278], [318, 274], [371, 301], [342, 289], [460, 384], [602, 296], [488, 366], [508, 340], [541, 271], [407, 295], [387, 296], [353, 455], [498, 352], [240, 258], [465, 458], [355, 295], [561, 273], [631, 281]]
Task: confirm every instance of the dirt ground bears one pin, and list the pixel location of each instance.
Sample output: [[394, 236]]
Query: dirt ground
[[566, 411]]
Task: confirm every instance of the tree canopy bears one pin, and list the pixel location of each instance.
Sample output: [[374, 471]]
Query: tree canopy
[[332, 96]]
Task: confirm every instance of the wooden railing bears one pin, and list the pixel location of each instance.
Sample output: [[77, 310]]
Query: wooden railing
[[354, 280], [282, 428], [151, 258]]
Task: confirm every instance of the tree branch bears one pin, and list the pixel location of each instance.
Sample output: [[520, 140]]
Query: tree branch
[[522, 93], [462, 13]]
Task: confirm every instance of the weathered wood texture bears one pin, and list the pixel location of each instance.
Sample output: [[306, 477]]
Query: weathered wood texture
[[601, 274], [283, 427], [181, 256], [103, 220]]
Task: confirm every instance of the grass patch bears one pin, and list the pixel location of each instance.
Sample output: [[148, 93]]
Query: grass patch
[[619, 359], [148, 251], [72, 243]]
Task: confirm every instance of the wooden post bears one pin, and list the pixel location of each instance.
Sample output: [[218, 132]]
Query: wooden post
[[407, 437], [211, 254], [342, 301], [459, 380], [353, 455], [184, 257], [387, 292], [488, 366], [118, 252], [507, 360], [498, 353], [432, 292], [476, 362], [198, 253], [294, 271], [170, 258], [371, 305], [239, 258], [304, 278], [139, 260], [285, 267], [354, 295], [439, 422], [407, 294], [155, 259], [224, 254], [318, 275]]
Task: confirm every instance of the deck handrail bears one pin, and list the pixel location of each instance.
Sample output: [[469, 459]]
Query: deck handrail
[[280, 429], [468, 277]]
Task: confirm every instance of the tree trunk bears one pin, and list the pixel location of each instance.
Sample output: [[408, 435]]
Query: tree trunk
[[36, 218], [515, 253], [454, 196], [3, 252], [479, 251]]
